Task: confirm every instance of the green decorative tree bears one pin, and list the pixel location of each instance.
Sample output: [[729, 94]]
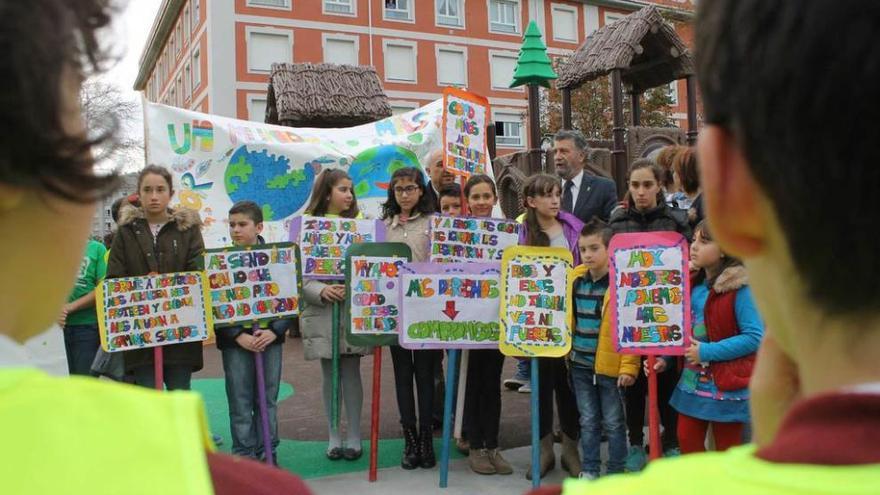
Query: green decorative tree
[[533, 65]]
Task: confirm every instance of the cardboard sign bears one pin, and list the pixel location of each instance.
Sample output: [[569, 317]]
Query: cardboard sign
[[324, 241], [536, 308], [464, 132], [450, 305], [459, 239], [372, 292], [650, 293], [153, 310], [253, 283]]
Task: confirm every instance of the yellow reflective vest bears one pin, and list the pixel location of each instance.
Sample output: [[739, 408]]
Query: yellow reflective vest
[[80, 435]]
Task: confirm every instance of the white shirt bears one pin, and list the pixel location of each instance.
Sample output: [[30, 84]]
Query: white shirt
[[13, 354], [575, 189]]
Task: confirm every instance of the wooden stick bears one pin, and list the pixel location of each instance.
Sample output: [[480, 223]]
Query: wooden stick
[[158, 368]]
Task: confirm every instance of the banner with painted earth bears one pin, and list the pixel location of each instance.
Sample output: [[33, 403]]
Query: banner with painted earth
[[217, 161], [153, 310], [449, 305]]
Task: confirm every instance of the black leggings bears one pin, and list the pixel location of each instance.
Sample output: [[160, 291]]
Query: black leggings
[[553, 378], [419, 365], [636, 397], [482, 404]]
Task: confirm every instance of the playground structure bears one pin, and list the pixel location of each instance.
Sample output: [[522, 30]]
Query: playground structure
[[640, 51]]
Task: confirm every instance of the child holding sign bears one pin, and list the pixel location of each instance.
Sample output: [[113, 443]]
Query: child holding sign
[[645, 210], [482, 405], [597, 371], [238, 345], [713, 389], [407, 217], [155, 239], [546, 225], [333, 196]]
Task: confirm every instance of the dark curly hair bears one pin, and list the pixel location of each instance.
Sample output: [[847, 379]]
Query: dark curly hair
[[45, 45]]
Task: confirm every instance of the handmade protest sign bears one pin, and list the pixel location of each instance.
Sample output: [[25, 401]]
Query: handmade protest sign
[[464, 132], [536, 309], [650, 292], [373, 295], [449, 306], [324, 241], [457, 239], [253, 283], [153, 310]]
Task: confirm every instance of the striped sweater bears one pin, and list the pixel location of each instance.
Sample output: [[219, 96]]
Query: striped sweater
[[588, 297]]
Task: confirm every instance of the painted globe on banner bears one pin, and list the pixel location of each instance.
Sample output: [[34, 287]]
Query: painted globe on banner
[[266, 180], [372, 168]]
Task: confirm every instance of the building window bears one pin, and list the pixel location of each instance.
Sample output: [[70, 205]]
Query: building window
[[508, 130], [502, 67], [344, 7], [196, 70], [187, 26], [612, 17], [565, 23], [451, 66], [673, 93], [266, 47], [399, 10], [341, 49], [400, 107], [504, 16], [171, 100], [450, 13], [257, 108], [178, 33], [180, 90], [272, 4], [400, 61], [197, 7], [187, 81]]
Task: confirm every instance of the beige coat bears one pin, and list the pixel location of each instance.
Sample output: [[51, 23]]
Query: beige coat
[[413, 233]]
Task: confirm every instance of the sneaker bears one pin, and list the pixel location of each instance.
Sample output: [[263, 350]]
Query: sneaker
[[218, 440], [673, 452], [500, 463], [636, 459], [525, 389], [479, 462], [588, 476], [514, 383]]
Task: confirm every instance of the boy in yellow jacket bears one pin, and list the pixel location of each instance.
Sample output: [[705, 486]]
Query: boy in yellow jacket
[[597, 371]]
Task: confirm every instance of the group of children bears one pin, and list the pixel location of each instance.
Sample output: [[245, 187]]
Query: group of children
[[587, 384]]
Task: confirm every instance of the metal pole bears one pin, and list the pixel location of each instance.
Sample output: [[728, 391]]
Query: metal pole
[[634, 99], [535, 164], [566, 108], [692, 110], [618, 154]]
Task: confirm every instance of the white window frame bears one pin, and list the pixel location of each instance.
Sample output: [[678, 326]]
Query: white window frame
[[187, 80], [611, 17], [451, 48], [461, 17], [506, 54], [180, 90], [517, 21], [178, 32], [248, 30], [397, 42], [187, 23], [196, 13], [341, 37], [250, 100], [409, 105], [673, 92], [510, 112], [411, 13], [351, 3], [288, 5], [197, 69], [565, 8]]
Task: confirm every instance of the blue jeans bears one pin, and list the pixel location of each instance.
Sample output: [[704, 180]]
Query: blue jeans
[[601, 408], [81, 343], [523, 369], [244, 406]]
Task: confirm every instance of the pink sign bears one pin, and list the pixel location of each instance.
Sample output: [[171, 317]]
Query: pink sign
[[650, 287]]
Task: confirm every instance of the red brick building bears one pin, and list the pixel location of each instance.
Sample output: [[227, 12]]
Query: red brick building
[[213, 56]]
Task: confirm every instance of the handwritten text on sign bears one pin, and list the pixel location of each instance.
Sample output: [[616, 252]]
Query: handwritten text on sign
[[252, 285], [153, 310], [323, 242], [374, 295], [465, 124], [471, 239], [649, 295], [452, 305]]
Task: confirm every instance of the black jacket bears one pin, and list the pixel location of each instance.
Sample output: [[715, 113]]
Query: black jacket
[[597, 197], [660, 219]]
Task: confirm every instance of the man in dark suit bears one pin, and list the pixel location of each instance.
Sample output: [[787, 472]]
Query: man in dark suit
[[583, 194], [439, 176]]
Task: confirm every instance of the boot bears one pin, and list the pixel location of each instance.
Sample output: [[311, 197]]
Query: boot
[[548, 458], [411, 459], [426, 448], [479, 461], [570, 459]]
